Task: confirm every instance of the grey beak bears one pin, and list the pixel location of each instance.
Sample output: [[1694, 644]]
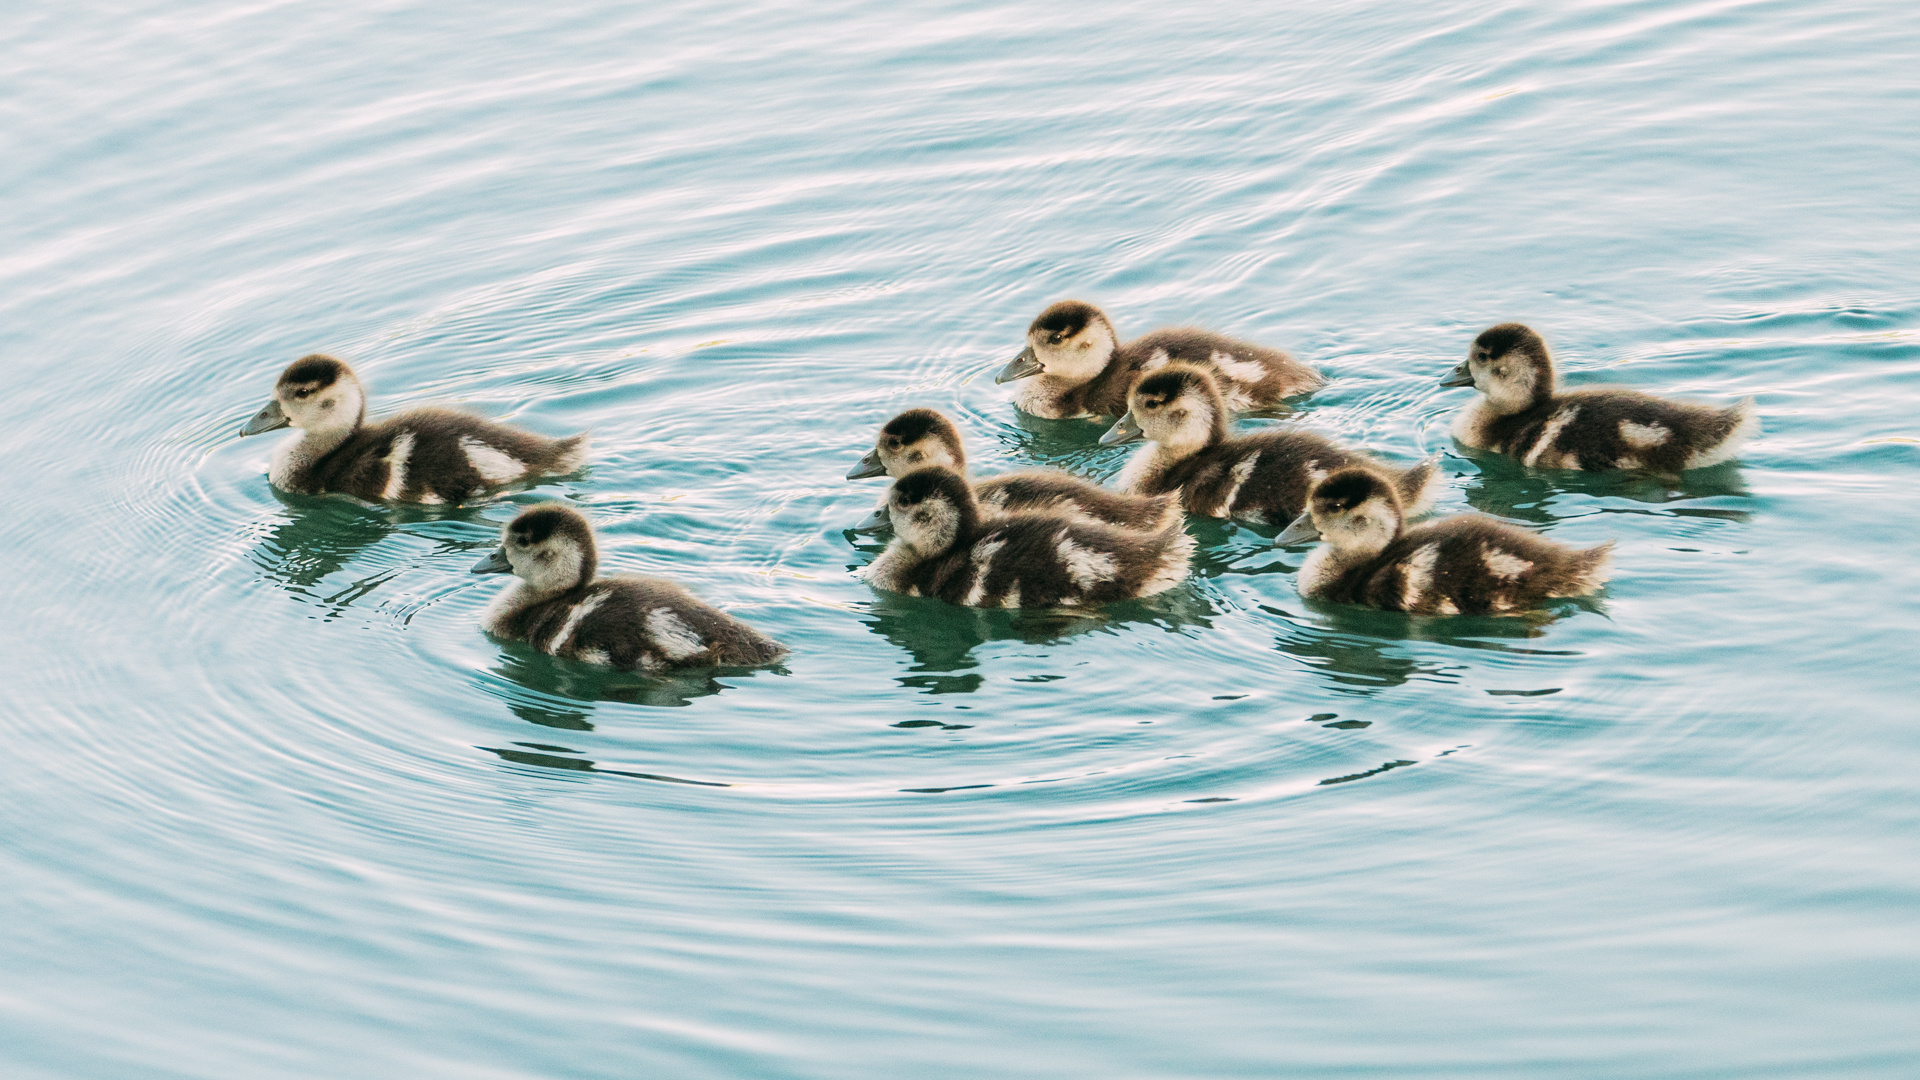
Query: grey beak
[[267, 419], [495, 563], [1125, 431], [1020, 366], [1460, 377], [867, 466], [1302, 531], [878, 521]]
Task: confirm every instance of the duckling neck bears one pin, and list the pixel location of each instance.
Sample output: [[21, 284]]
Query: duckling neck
[[294, 459], [1146, 472], [510, 601]]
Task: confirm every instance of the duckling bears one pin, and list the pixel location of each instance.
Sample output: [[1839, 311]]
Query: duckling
[[1084, 370], [921, 437], [1462, 565], [626, 621], [946, 548], [420, 456], [1263, 477], [1591, 429]]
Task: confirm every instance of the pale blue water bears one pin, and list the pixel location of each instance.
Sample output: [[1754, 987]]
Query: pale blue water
[[276, 808]]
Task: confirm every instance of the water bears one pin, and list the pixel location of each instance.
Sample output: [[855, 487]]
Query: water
[[278, 809]]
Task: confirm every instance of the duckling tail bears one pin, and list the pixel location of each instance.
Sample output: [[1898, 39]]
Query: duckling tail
[[1738, 423], [1167, 513], [1594, 567], [1419, 486], [570, 454]]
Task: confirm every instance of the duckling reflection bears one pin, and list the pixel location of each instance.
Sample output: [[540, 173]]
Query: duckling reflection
[[527, 668], [548, 757], [1361, 651], [318, 538], [941, 637], [1505, 488]]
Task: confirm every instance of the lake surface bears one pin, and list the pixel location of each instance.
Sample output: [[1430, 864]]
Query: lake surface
[[277, 808]]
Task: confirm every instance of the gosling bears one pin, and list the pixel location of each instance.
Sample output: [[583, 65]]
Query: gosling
[[421, 456], [627, 621], [921, 437], [1262, 477], [944, 547], [1461, 565], [1520, 415], [1074, 365]]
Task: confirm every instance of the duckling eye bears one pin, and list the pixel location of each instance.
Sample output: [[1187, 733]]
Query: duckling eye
[[303, 394]]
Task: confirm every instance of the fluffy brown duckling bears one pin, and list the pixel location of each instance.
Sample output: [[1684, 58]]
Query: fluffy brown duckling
[[945, 547], [1075, 365], [1261, 477], [1522, 416], [1461, 565], [419, 456], [626, 621], [918, 438]]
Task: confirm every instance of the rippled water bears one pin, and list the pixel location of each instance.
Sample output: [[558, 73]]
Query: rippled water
[[278, 809]]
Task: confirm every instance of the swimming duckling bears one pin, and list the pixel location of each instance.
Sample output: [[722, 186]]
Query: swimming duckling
[[1591, 429], [420, 456], [945, 548], [1261, 477], [921, 437], [1075, 365], [1462, 565], [627, 621]]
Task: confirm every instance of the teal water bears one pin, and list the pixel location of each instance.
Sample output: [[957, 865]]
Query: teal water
[[276, 808]]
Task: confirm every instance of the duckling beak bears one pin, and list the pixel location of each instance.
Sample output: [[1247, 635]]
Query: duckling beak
[[878, 521], [495, 563], [1302, 531], [1027, 363], [1460, 377], [867, 466], [267, 419], [1125, 431]]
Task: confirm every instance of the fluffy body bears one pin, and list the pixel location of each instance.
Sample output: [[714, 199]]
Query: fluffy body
[[945, 547], [420, 456], [1260, 477], [1087, 370], [1522, 416], [1466, 564], [919, 438], [624, 621]]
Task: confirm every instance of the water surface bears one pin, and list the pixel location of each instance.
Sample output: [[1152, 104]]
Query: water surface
[[279, 809]]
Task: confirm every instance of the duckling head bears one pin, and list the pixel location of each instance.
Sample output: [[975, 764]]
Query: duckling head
[[1508, 363], [1354, 510], [549, 547], [1178, 406], [931, 509], [1070, 341], [317, 394], [913, 440]]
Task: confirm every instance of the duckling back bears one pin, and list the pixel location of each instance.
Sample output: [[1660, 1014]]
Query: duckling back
[[440, 456], [1047, 490], [637, 623], [1048, 560], [1599, 429], [1265, 477], [1466, 564], [1249, 376]]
